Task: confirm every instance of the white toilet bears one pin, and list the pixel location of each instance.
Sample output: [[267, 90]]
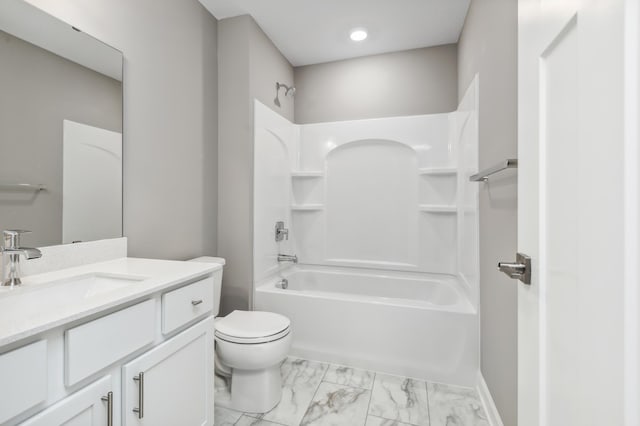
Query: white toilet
[[250, 346]]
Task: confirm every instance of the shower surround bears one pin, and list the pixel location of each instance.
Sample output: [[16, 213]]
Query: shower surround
[[384, 221]]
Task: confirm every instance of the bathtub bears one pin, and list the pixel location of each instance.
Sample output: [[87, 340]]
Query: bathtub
[[409, 324]]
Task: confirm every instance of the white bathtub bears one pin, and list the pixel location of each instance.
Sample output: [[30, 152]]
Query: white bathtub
[[415, 325]]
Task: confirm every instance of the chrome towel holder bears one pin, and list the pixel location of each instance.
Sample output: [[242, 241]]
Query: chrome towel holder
[[23, 186], [483, 176]]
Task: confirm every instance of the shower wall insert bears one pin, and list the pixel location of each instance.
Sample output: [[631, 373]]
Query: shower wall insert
[[384, 221]]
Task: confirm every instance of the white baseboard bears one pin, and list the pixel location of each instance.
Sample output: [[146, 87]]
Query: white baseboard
[[487, 401]]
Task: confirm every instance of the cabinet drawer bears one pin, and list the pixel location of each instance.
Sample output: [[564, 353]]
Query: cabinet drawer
[[23, 382], [181, 306], [99, 343]]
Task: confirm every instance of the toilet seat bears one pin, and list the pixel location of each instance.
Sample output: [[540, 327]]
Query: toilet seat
[[252, 341], [252, 327]]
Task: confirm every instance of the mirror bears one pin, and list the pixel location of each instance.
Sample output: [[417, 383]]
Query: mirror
[[60, 130]]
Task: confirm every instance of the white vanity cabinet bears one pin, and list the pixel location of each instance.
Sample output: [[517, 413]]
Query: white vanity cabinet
[[90, 406], [23, 379], [172, 384], [149, 362]]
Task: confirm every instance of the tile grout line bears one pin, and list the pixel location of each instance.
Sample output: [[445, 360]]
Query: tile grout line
[[260, 418], [316, 391], [426, 386], [394, 420], [325, 372], [347, 386], [257, 418], [236, 422], [373, 384]]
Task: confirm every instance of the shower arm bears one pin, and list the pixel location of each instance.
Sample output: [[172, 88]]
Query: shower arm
[[288, 89]]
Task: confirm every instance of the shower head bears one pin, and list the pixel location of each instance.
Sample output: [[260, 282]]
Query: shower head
[[289, 91]]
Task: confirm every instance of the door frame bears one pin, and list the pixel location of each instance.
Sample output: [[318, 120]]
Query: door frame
[[632, 212]]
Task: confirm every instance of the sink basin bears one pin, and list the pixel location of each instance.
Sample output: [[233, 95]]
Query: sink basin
[[95, 284], [34, 300]]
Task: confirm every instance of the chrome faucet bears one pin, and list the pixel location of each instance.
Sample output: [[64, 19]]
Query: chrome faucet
[[287, 258], [11, 252]]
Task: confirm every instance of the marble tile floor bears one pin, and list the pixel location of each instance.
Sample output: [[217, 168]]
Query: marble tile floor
[[321, 394]]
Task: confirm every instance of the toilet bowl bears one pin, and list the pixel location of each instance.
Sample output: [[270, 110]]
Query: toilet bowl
[[250, 346], [253, 344]]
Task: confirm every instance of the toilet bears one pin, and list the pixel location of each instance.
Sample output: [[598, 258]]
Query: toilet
[[250, 346]]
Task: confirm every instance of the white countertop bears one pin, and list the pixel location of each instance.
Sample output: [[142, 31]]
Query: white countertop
[[27, 310]]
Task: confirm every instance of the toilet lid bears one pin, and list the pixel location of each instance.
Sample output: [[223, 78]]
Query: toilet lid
[[248, 325]]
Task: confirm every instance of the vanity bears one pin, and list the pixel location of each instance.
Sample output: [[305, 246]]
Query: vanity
[[97, 339], [122, 342]]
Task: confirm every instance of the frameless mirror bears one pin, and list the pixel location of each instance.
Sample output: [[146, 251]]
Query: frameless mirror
[[60, 129]]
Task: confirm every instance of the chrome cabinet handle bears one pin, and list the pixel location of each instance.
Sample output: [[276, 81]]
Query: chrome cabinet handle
[[140, 410], [196, 302], [109, 400]]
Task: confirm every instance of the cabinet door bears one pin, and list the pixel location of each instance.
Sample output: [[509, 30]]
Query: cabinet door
[[87, 407], [172, 384], [23, 379]]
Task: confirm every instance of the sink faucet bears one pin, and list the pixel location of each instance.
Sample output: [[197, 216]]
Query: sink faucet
[[11, 252], [287, 258]]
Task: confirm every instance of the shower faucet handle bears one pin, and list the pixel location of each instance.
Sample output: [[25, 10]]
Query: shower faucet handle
[[281, 232]]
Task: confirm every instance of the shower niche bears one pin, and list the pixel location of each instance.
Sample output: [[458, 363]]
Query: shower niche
[[307, 190]]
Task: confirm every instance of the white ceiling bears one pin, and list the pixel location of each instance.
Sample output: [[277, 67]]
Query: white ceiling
[[315, 31]]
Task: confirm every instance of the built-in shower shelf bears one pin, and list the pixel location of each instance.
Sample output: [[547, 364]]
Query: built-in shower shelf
[[437, 171], [305, 174], [307, 207], [435, 208]]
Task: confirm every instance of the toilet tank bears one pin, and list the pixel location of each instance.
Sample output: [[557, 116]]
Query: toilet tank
[[217, 279]]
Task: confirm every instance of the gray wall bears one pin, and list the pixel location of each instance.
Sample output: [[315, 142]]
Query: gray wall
[[40, 90], [411, 82], [488, 46], [170, 118], [249, 66], [267, 67]]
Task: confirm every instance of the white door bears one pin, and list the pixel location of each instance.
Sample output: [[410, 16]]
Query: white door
[[90, 406], [91, 183], [573, 213], [172, 384]]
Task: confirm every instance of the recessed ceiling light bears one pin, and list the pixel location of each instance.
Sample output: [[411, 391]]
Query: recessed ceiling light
[[358, 34]]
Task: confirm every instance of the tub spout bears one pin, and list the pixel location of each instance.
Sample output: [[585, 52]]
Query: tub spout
[[287, 258]]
